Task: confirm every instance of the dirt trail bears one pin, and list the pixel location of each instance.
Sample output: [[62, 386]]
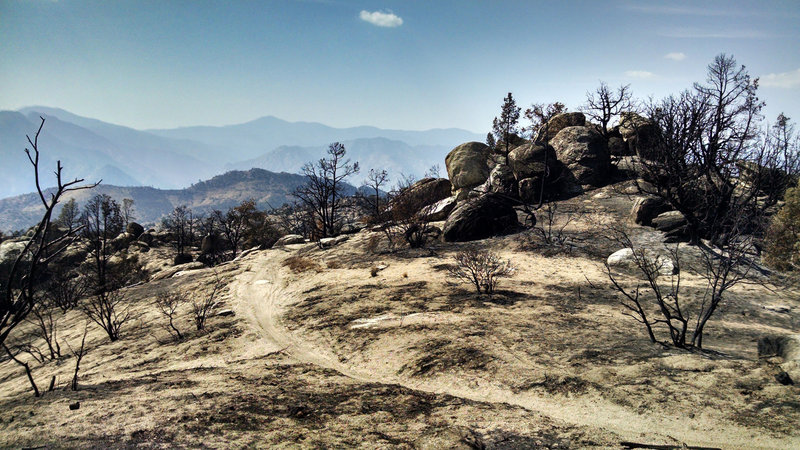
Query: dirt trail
[[261, 298]]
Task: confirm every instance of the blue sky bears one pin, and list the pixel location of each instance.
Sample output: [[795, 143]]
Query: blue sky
[[392, 64]]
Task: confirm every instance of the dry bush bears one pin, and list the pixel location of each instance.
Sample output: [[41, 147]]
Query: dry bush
[[299, 264], [373, 244], [168, 304], [482, 268], [108, 310], [204, 304], [333, 264]]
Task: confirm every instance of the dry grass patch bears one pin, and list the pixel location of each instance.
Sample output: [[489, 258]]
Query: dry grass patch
[[300, 264]]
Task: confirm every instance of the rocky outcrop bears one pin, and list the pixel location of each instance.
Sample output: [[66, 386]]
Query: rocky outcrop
[[642, 135], [426, 191], [486, 216], [210, 245], [533, 164], [10, 250], [584, 152], [501, 181], [134, 229], [289, 239], [467, 167], [668, 221], [440, 210], [645, 209], [558, 123]]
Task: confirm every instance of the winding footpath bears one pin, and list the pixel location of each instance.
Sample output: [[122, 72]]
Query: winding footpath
[[259, 295]]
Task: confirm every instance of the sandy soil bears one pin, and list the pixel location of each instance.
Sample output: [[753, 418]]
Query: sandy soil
[[335, 357]]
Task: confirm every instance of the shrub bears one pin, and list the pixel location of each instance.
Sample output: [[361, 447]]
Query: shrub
[[300, 264], [782, 240], [481, 268], [167, 304]]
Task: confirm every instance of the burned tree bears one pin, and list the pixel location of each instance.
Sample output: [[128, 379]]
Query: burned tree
[[322, 194], [20, 286], [605, 104]]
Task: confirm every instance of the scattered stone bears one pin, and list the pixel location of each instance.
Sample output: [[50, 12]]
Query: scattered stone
[[486, 216], [225, 313], [134, 229], [171, 271], [332, 241], [209, 245], [645, 209], [182, 258], [783, 378], [352, 228], [642, 135], [146, 238], [74, 406], [289, 239], [625, 258], [439, 210], [780, 309], [425, 192], [669, 221]]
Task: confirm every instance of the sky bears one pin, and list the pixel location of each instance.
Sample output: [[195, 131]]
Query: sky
[[392, 64]]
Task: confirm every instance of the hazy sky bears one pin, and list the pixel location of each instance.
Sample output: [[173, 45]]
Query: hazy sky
[[392, 64]]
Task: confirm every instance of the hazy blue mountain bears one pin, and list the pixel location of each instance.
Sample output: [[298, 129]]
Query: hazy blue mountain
[[129, 136], [255, 138], [81, 154], [398, 158], [220, 192]]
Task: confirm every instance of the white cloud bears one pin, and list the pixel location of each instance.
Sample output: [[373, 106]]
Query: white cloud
[[786, 80], [639, 74], [675, 56], [381, 19]]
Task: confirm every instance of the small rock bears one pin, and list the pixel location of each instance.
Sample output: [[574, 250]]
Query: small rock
[[784, 378], [74, 406], [289, 239], [225, 313]]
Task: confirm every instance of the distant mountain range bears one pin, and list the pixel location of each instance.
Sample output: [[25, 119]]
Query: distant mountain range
[[220, 192], [173, 159]]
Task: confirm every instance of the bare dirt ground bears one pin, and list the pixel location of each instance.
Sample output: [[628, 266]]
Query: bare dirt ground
[[335, 357]]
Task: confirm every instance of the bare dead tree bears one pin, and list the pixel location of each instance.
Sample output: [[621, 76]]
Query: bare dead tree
[[551, 228], [665, 296], [108, 310], [375, 181], [128, 212], [65, 290], [19, 289], [604, 104], [78, 354], [705, 132], [47, 326], [482, 268], [322, 194], [27, 368], [168, 304], [180, 224]]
